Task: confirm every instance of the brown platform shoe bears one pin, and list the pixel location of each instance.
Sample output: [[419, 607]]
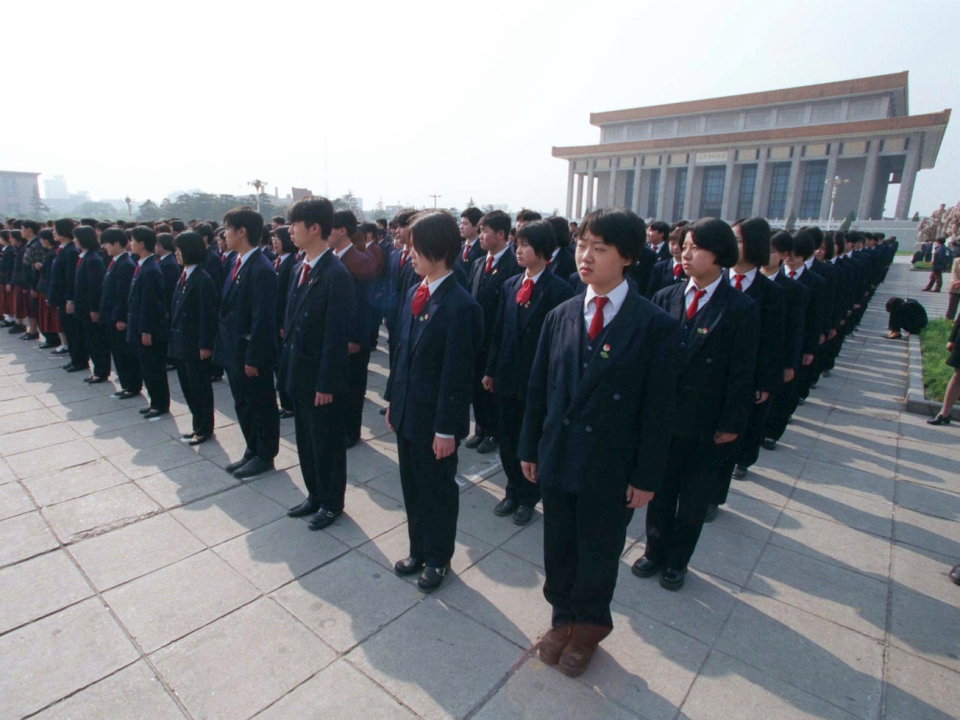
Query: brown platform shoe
[[553, 643], [579, 651]]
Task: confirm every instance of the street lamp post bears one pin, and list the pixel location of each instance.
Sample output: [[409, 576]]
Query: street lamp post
[[129, 201], [835, 183], [435, 198], [258, 185]]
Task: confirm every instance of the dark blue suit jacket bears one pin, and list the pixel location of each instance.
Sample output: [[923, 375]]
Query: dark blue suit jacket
[[214, 267], [171, 276], [564, 264], [146, 312], [486, 290], [64, 275], [608, 424], [89, 286], [642, 269], [193, 317], [284, 275], [662, 277], [813, 325], [770, 362], [431, 384], [794, 305], [247, 332], [475, 252], [116, 291]]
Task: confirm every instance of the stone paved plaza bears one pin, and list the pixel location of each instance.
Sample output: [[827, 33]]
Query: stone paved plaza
[[139, 580]]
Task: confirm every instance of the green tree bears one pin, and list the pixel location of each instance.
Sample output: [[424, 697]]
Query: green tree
[[848, 221], [148, 211], [471, 203]]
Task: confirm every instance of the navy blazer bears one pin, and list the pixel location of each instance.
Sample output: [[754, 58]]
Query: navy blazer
[[516, 334], [64, 275], [116, 290], [794, 305], [213, 264], [609, 423], [941, 259], [486, 290], [146, 312], [359, 265], [475, 252], [564, 264], [662, 277], [664, 252], [171, 276], [284, 273], [247, 330], [770, 363], [833, 304], [431, 384], [718, 357], [400, 280], [7, 260], [89, 286], [813, 311], [193, 317], [642, 269], [313, 357], [46, 272]]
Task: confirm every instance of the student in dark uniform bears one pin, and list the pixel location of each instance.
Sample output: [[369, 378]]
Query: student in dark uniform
[[401, 275], [470, 232], [562, 263], [63, 286], [595, 432], [47, 320], [113, 312], [246, 344], [283, 263], [486, 284], [313, 360], [905, 315], [719, 334], [657, 234], [193, 328], [524, 304], [148, 324], [87, 295], [440, 329], [668, 272]]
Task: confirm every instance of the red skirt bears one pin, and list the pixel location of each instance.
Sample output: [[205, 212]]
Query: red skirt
[[48, 319], [21, 297], [4, 300]]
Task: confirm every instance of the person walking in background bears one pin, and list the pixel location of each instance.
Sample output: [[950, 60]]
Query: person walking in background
[[941, 263]]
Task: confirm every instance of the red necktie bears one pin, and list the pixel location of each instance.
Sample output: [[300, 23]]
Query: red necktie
[[489, 266], [276, 263], [596, 325], [110, 266], [466, 251], [677, 269], [738, 282], [695, 305], [58, 251], [403, 258], [420, 298], [183, 279], [303, 274], [136, 272], [793, 274], [525, 291], [236, 269], [79, 262]]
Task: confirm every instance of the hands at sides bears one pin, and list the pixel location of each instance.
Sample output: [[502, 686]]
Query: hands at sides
[[487, 383], [722, 438], [761, 397], [529, 470], [807, 359], [442, 447], [204, 354], [637, 498], [251, 371], [323, 399]]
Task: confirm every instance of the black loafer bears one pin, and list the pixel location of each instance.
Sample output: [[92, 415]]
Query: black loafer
[[712, 511], [739, 472], [61, 350], [472, 443], [769, 444], [154, 414], [234, 466], [323, 519], [523, 515], [128, 394], [94, 380], [645, 567], [144, 411], [252, 468], [939, 420], [383, 411], [431, 578], [199, 439], [673, 578], [47, 346], [408, 566], [505, 507], [285, 414], [187, 436], [955, 574], [30, 336], [488, 445], [77, 368], [303, 509]]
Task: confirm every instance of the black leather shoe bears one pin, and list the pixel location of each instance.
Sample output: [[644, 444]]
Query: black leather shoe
[[739, 472], [826, 373], [473, 442], [939, 420], [303, 509], [128, 394], [199, 439], [323, 519], [187, 436], [252, 468], [144, 411], [118, 393], [30, 336], [76, 368], [431, 578], [154, 414], [94, 380], [645, 567], [383, 411], [408, 566], [803, 401], [61, 350], [955, 574], [711, 515], [769, 444], [351, 442], [523, 515], [505, 507], [285, 414], [673, 578], [15, 329], [234, 466], [488, 445], [47, 346]]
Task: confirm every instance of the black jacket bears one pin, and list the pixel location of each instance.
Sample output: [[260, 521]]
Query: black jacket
[[247, 330], [193, 317]]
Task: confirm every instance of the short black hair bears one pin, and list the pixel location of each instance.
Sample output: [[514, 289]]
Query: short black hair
[[616, 226], [245, 217], [313, 211], [782, 242], [282, 234], [540, 235], [839, 242], [661, 227], [278, 219], [192, 249], [89, 222], [473, 215], [528, 215], [368, 228], [146, 236], [894, 303], [205, 230], [404, 217], [382, 222], [113, 236], [47, 234], [756, 240], [165, 240], [714, 235], [496, 220], [103, 225], [804, 243], [829, 247], [347, 220], [86, 237], [816, 233], [64, 227], [436, 236], [32, 225], [561, 230]]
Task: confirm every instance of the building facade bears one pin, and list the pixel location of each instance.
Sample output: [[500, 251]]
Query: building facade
[[772, 153], [19, 193]]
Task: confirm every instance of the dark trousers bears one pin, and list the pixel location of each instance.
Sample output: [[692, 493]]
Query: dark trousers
[[194, 376], [99, 344], [356, 393], [744, 451], [125, 360], [432, 500], [255, 401], [485, 411], [676, 513], [952, 302], [784, 403], [519, 488], [935, 282], [76, 341], [583, 537], [322, 449], [153, 368]]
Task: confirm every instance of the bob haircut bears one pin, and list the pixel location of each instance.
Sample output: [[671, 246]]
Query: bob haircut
[[282, 234], [528, 215], [619, 227], [313, 211], [782, 242], [839, 242], [245, 218], [539, 235], [676, 231], [661, 227], [756, 240], [191, 247], [31, 225], [178, 226], [46, 235], [816, 233], [436, 236], [86, 237], [405, 217], [804, 243], [498, 221], [829, 246], [347, 220], [205, 230], [561, 230], [146, 236], [113, 236], [894, 303], [165, 240], [64, 227], [473, 215], [715, 236]]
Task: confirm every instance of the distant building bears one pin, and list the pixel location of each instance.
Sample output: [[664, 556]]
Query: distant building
[[300, 193], [55, 188], [766, 153], [19, 193]]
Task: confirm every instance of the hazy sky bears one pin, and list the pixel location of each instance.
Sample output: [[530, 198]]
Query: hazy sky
[[416, 98]]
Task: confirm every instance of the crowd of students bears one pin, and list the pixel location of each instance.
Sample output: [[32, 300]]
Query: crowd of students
[[614, 364]]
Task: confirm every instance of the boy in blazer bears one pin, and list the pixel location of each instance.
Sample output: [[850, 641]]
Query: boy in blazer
[[470, 232], [524, 303], [63, 285], [486, 284], [246, 343], [87, 295], [113, 312], [595, 431], [668, 272], [193, 327], [439, 331], [400, 274], [147, 324], [284, 263], [719, 331]]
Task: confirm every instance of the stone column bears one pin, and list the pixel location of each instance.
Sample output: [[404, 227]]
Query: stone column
[[792, 186], [662, 191], [612, 191], [570, 188], [869, 180], [579, 213], [589, 207], [637, 178], [758, 209], [690, 212], [828, 186], [908, 179], [727, 208]]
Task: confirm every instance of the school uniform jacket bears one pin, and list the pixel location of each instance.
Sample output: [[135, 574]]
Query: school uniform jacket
[[662, 277], [146, 312], [89, 286], [517, 330], [247, 330], [486, 289], [431, 385], [816, 296], [833, 301], [313, 357], [794, 305], [770, 363], [213, 264], [642, 269], [473, 255], [193, 317], [284, 273], [171, 276], [564, 264], [64, 276], [718, 355], [116, 290], [362, 269], [611, 421], [400, 279]]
